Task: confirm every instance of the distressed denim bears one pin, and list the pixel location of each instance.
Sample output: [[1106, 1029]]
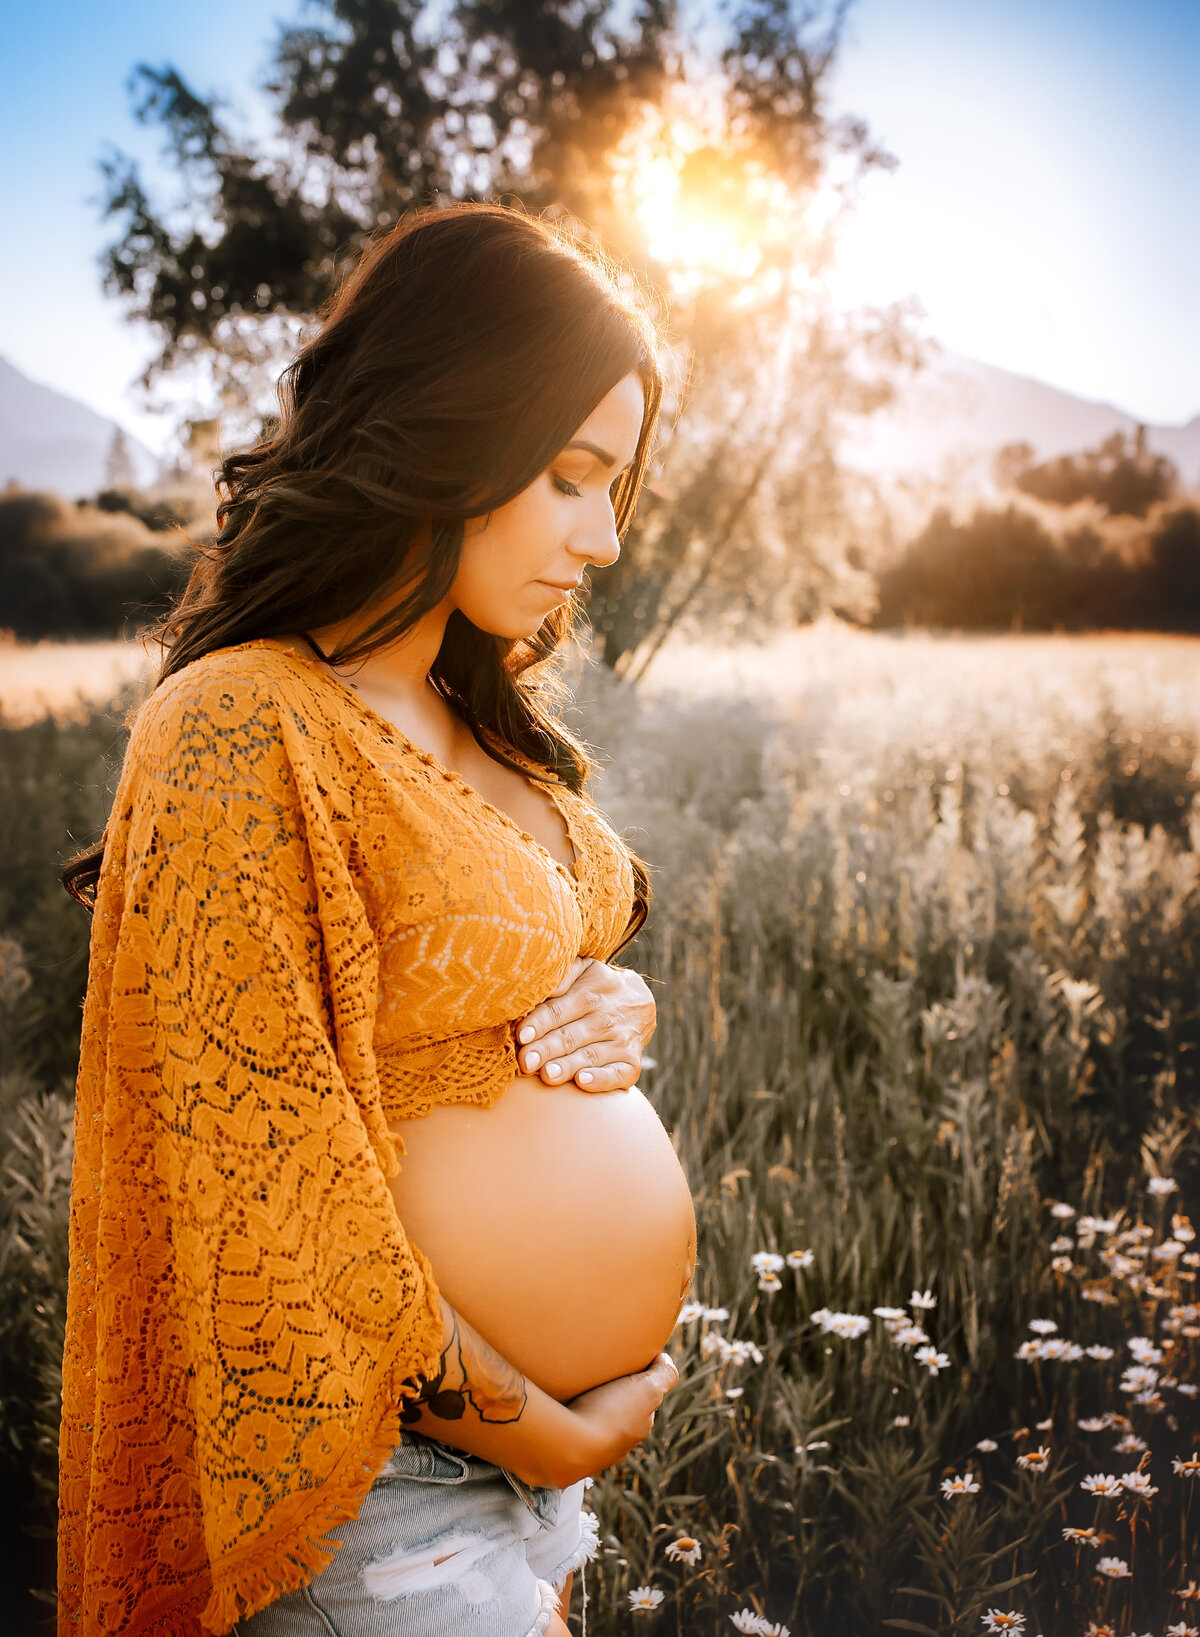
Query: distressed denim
[[444, 1542]]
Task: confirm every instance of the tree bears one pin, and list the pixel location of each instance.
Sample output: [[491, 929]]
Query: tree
[[624, 124], [1119, 474], [118, 465]]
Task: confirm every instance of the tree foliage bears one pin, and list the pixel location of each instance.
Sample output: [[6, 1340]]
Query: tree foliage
[[1120, 475], [79, 572], [562, 105], [1003, 570]]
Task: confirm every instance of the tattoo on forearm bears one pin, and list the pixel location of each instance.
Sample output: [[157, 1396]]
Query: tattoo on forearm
[[470, 1372]]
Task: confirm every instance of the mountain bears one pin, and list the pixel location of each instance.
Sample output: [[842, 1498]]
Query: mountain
[[50, 441], [949, 420]]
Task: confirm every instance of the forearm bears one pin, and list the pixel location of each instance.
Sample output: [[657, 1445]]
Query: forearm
[[478, 1402]]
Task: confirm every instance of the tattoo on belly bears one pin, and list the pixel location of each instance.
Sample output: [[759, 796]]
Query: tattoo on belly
[[470, 1372]]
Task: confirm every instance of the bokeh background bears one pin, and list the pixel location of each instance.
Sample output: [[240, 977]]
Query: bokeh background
[[895, 686]]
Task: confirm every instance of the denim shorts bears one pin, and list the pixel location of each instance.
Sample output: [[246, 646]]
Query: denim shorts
[[444, 1542]]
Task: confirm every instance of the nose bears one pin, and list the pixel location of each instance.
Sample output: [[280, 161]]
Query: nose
[[596, 541]]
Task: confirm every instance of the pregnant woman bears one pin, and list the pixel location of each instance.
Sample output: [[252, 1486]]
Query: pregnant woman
[[374, 1242]]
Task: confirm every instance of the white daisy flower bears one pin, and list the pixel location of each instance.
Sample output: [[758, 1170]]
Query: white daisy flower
[[690, 1312], [769, 1282], [1161, 1186], [847, 1325], [748, 1622], [1082, 1537], [987, 1445], [1131, 1445], [1096, 1224], [1182, 1629], [932, 1359], [766, 1261], [1035, 1460], [727, 1351], [922, 1298], [1102, 1484], [900, 1421], [1062, 1211], [960, 1485], [1188, 1388], [1058, 1347], [1061, 1264], [1115, 1568], [998, 1620], [684, 1550], [1043, 1327], [893, 1315], [1094, 1423], [909, 1335], [1138, 1483], [1138, 1378], [645, 1597], [715, 1315], [1098, 1351], [734, 1392], [1144, 1350], [1059, 1246], [1168, 1250], [800, 1258], [1189, 1467]]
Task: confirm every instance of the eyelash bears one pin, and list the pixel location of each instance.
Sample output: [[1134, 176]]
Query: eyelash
[[561, 484]]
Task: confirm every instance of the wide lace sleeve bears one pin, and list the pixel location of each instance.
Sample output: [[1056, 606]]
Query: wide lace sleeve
[[245, 1314]]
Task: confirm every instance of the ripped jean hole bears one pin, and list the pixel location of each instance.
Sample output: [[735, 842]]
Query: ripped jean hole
[[451, 1561]]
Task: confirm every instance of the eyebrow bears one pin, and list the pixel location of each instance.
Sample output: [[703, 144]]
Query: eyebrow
[[602, 455]]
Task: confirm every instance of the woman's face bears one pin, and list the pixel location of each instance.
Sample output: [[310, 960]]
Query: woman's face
[[515, 564]]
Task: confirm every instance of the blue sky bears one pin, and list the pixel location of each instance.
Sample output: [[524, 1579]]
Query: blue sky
[[1046, 210]]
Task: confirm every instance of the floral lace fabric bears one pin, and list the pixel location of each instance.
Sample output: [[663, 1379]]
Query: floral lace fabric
[[305, 928]]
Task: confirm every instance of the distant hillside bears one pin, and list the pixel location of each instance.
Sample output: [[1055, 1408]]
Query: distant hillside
[[49, 441], [952, 418]]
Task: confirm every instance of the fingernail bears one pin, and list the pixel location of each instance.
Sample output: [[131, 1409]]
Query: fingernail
[[584, 1077], [532, 1059], [526, 1034], [553, 1070]]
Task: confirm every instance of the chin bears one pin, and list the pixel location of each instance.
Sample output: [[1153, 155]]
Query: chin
[[513, 629]]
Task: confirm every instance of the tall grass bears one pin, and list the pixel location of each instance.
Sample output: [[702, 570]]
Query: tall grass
[[924, 942], [927, 973]]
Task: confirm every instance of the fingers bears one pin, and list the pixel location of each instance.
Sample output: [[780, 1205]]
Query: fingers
[[590, 1069], [591, 1040], [619, 1076], [556, 1011]]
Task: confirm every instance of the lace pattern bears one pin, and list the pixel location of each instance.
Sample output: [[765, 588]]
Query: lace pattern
[[304, 928]]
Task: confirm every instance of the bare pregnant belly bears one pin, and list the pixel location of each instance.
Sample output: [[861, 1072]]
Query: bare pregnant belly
[[558, 1223]]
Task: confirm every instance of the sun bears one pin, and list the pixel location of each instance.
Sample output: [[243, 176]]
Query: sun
[[708, 213]]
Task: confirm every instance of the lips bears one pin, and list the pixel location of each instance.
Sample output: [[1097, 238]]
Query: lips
[[574, 585]]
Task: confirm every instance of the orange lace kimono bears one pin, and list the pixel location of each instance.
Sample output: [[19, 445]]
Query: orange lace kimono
[[305, 927]]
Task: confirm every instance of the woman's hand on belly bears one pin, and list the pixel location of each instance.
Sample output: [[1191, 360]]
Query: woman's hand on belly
[[593, 1028]]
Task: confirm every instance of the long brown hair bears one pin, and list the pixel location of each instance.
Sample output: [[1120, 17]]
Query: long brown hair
[[451, 365]]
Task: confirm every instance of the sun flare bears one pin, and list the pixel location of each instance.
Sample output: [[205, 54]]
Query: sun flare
[[709, 213]]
